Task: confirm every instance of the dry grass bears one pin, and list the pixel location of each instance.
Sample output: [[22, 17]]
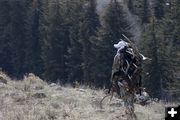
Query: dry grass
[[33, 99]]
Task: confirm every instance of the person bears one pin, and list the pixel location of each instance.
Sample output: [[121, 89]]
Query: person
[[124, 75], [126, 63]]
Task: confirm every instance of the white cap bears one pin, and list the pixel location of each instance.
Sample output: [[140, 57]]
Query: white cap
[[120, 45]]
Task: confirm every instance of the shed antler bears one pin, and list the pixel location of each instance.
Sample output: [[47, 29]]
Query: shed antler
[[111, 90], [132, 44], [136, 49]]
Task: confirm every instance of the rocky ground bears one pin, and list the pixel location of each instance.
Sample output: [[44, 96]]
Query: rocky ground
[[34, 99]]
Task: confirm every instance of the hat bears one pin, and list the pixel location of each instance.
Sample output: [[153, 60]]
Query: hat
[[120, 45]]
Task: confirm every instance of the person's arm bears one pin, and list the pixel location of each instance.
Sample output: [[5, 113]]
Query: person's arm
[[116, 65]]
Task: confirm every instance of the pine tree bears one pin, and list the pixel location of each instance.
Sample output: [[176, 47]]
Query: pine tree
[[5, 38], [17, 34], [74, 59], [88, 29], [55, 44], [33, 61]]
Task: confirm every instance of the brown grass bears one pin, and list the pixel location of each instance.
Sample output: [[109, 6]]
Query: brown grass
[[19, 101]]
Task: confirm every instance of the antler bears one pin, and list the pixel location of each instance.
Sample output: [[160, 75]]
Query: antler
[[136, 49], [132, 44]]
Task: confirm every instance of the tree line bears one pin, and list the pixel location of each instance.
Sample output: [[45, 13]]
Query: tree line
[[66, 41]]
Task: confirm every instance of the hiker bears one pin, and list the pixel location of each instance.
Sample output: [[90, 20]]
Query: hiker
[[126, 63], [126, 71]]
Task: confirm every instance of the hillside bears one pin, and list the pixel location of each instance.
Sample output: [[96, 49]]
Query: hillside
[[34, 99]]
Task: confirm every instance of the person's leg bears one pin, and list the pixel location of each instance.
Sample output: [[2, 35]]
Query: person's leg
[[130, 106], [128, 98]]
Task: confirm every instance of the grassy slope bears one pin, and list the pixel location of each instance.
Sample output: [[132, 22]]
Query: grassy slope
[[19, 102]]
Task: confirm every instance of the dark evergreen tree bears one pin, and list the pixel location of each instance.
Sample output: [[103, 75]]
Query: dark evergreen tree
[[74, 59], [17, 34], [55, 45], [33, 62], [5, 38], [88, 29]]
